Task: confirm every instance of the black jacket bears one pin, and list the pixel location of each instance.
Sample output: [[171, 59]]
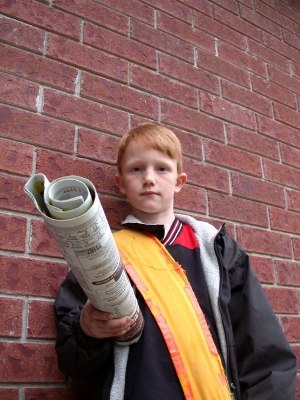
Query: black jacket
[[260, 364]]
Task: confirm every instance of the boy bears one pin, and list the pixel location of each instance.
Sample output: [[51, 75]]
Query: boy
[[205, 312]]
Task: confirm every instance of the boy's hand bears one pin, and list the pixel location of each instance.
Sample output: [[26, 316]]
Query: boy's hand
[[101, 324]]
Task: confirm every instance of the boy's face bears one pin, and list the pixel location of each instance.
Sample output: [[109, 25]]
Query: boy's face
[[149, 179]]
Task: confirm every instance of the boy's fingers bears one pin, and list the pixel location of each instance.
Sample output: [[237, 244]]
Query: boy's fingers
[[116, 327], [101, 315], [92, 312], [101, 324]]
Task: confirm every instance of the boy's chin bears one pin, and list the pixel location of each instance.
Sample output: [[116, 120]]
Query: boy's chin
[[151, 215]]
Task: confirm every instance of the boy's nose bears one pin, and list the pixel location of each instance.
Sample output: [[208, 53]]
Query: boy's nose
[[148, 177]]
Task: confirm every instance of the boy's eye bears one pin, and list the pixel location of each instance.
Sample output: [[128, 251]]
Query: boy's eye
[[161, 169], [136, 169]]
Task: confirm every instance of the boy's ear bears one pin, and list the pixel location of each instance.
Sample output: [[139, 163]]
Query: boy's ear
[[180, 181], [120, 183]]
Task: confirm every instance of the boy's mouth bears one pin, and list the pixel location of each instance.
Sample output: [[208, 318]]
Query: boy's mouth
[[148, 193]]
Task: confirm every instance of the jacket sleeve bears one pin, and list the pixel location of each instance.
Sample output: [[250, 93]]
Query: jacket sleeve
[[266, 365], [79, 356]]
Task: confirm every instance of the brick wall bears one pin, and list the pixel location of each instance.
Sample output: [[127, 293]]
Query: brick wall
[[76, 74]]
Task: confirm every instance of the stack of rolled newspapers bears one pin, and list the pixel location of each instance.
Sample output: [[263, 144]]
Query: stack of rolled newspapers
[[73, 213]]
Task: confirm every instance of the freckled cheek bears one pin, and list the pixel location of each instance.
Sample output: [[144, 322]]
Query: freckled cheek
[[132, 184]]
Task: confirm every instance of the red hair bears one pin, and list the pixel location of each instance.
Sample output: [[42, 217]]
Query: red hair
[[152, 136]]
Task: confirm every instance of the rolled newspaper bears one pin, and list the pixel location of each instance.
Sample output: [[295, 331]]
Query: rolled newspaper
[[73, 213]]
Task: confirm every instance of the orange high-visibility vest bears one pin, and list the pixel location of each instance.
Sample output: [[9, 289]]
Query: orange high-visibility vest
[[168, 294]]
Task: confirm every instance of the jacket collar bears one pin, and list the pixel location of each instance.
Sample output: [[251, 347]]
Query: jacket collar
[[134, 223]]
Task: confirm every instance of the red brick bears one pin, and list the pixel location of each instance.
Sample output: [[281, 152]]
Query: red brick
[[185, 72], [119, 45], [116, 210], [206, 175], [93, 11], [268, 55], [290, 9], [263, 267], [256, 189], [293, 40], [55, 165], [36, 129], [293, 197], [164, 86], [219, 30], [9, 394], [282, 174], [85, 112], [18, 91], [273, 91], [290, 155], [229, 5], [232, 158], [280, 47], [16, 157], [183, 30], [296, 350], [233, 21], [291, 326], [27, 276], [176, 9], [228, 111], [43, 16], [133, 8], [295, 69], [21, 361], [117, 95], [191, 143], [222, 68], [283, 300], [284, 220], [161, 41], [264, 242], [192, 120], [236, 209], [284, 79], [75, 392], [288, 272], [279, 131], [12, 195], [41, 321], [249, 4], [274, 15], [201, 5], [22, 35], [97, 145], [296, 248], [137, 119], [42, 241], [259, 20], [252, 141], [192, 199], [286, 115], [86, 57], [11, 311], [37, 68], [242, 59], [247, 98], [12, 232]]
